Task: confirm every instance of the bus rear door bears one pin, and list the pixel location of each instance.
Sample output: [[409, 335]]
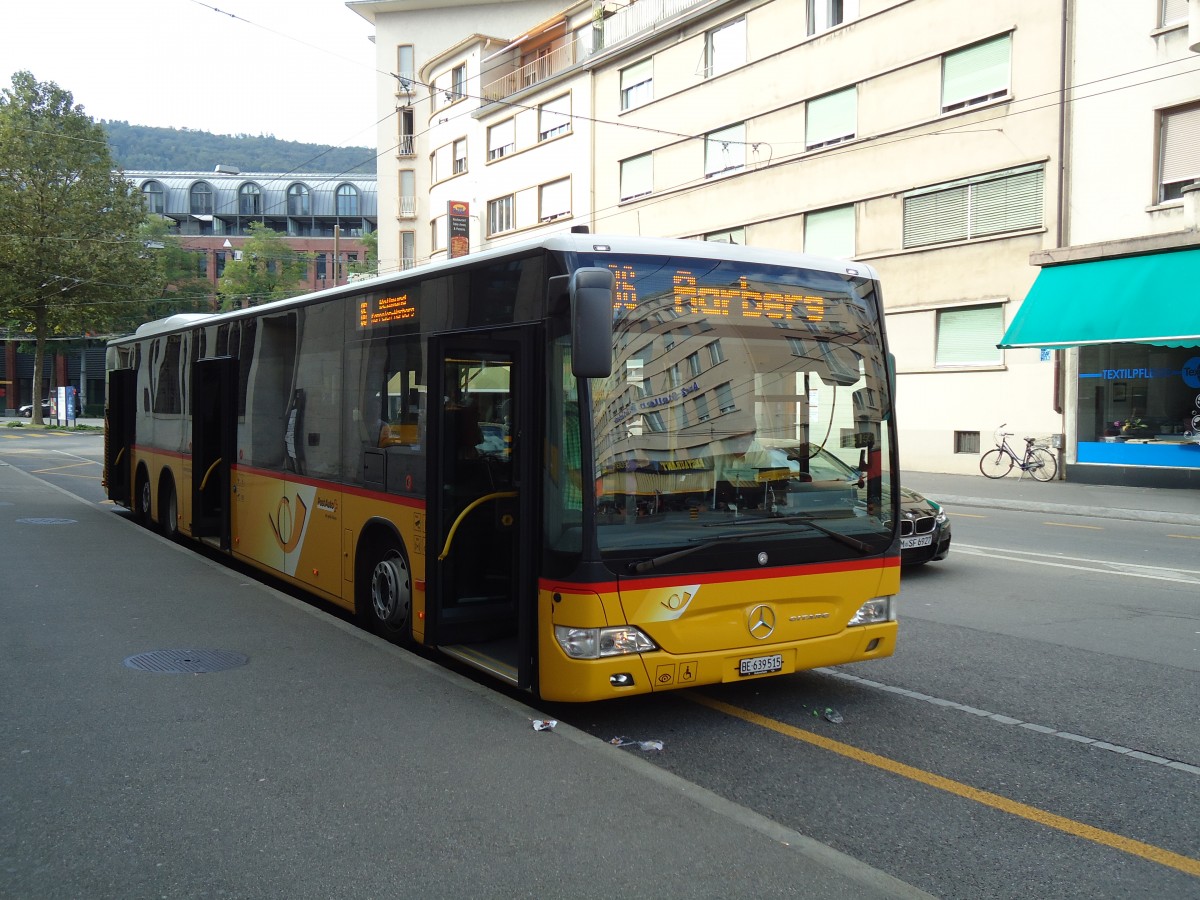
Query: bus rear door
[[214, 434]]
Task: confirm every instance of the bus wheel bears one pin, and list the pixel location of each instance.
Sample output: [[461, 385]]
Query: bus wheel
[[142, 498], [389, 596], [168, 510]]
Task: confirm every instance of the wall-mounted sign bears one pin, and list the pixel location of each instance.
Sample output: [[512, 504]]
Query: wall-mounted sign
[[459, 228]]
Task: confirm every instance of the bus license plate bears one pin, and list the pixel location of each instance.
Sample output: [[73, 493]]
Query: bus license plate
[[919, 540], [760, 665]]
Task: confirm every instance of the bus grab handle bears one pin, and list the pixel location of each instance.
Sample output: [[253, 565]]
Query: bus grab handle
[[499, 495]]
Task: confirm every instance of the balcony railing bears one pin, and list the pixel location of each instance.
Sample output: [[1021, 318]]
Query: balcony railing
[[639, 16], [408, 207], [642, 16], [531, 73]]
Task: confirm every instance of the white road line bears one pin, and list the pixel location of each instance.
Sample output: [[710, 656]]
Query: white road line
[[1001, 719], [1108, 566]]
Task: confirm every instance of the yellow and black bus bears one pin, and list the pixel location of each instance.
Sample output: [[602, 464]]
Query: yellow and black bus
[[589, 465]]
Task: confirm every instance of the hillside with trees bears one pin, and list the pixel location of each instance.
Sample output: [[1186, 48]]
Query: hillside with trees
[[142, 147]]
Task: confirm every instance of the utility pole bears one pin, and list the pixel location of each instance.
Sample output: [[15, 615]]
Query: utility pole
[[337, 255]]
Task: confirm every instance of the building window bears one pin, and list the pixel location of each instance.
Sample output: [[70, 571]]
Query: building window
[[693, 364], [655, 422], [249, 200], [715, 353], [554, 200], [554, 118], [347, 200], [408, 194], [700, 407], [990, 204], [1172, 12], [298, 201], [155, 197], [500, 215], [968, 336], [637, 176], [830, 232], [406, 70], [201, 199], [976, 74], [437, 234], [460, 156], [966, 442], [458, 81], [637, 84], [408, 249], [725, 48], [1179, 165], [831, 119], [406, 120], [826, 14], [501, 139], [728, 236], [725, 398], [725, 150]]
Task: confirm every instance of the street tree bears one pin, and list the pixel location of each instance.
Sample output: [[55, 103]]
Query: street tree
[[180, 285], [268, 270], [70, 258]]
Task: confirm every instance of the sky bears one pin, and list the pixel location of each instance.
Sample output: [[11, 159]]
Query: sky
[[300, 70]]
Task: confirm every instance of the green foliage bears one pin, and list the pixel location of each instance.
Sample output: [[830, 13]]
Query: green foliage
[[70, 258], [268, 270], [142, 147], [369, 261]]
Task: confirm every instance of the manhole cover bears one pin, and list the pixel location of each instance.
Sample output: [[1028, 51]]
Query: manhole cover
[[186, 662], [46, 521]]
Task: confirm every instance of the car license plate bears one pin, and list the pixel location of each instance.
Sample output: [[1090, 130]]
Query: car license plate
[[759, 665], [917, 540]]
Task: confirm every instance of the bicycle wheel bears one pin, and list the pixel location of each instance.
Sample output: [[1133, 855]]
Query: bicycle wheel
[[995, 463], [1041, 464]]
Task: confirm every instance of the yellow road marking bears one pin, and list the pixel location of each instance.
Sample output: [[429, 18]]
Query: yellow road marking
[[1186, 537], [59, 469], [963, 515], [1066, 525], [1088, 832]]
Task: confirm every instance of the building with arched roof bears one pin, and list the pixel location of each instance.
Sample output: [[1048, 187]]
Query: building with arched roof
[[321, 214]]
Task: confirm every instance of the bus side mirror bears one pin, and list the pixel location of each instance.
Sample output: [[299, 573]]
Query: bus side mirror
[[591, 291]]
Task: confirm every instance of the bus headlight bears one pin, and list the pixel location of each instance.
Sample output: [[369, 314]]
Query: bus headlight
[[594, 643], [879, 609]]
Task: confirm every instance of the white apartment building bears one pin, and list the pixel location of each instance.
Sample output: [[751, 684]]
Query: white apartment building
[[926, 137]]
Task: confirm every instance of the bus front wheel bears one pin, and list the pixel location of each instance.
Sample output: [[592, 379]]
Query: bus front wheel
[[142, 500], [387, 604]]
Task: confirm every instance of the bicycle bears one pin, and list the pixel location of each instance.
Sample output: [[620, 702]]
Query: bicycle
[[1038, 461]]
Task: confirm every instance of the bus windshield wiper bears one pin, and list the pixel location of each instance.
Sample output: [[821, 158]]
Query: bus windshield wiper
[[654, 562]]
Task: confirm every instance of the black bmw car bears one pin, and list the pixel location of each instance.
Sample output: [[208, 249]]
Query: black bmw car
[[924, 529]]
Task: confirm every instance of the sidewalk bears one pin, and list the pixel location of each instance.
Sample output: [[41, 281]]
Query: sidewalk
[[311, 760], [1167, 505]]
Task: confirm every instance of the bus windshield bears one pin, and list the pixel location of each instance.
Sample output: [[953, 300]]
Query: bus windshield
[[747, 408]]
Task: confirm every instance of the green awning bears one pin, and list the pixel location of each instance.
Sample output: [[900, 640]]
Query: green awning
[[1149, 299]]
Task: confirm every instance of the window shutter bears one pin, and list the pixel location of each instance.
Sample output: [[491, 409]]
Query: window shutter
[[1181, 145], [976, 72], [1006, 204], [830, 232], [939, 216], [1174, 11], [554, 117], [637, 176], [968, 337], [638, 73], [555, 198], [499, 137], [833, 117]]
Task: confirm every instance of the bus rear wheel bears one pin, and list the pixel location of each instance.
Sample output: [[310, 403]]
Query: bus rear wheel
[[387, 604], [168, 510]]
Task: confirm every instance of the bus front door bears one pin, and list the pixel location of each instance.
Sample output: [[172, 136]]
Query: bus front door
[[214, 434], [120, 427], [481, 590]]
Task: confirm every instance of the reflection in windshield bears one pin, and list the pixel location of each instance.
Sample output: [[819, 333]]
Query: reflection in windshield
[[739, 395]]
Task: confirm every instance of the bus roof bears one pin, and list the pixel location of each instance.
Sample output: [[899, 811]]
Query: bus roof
[[566, 242]]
